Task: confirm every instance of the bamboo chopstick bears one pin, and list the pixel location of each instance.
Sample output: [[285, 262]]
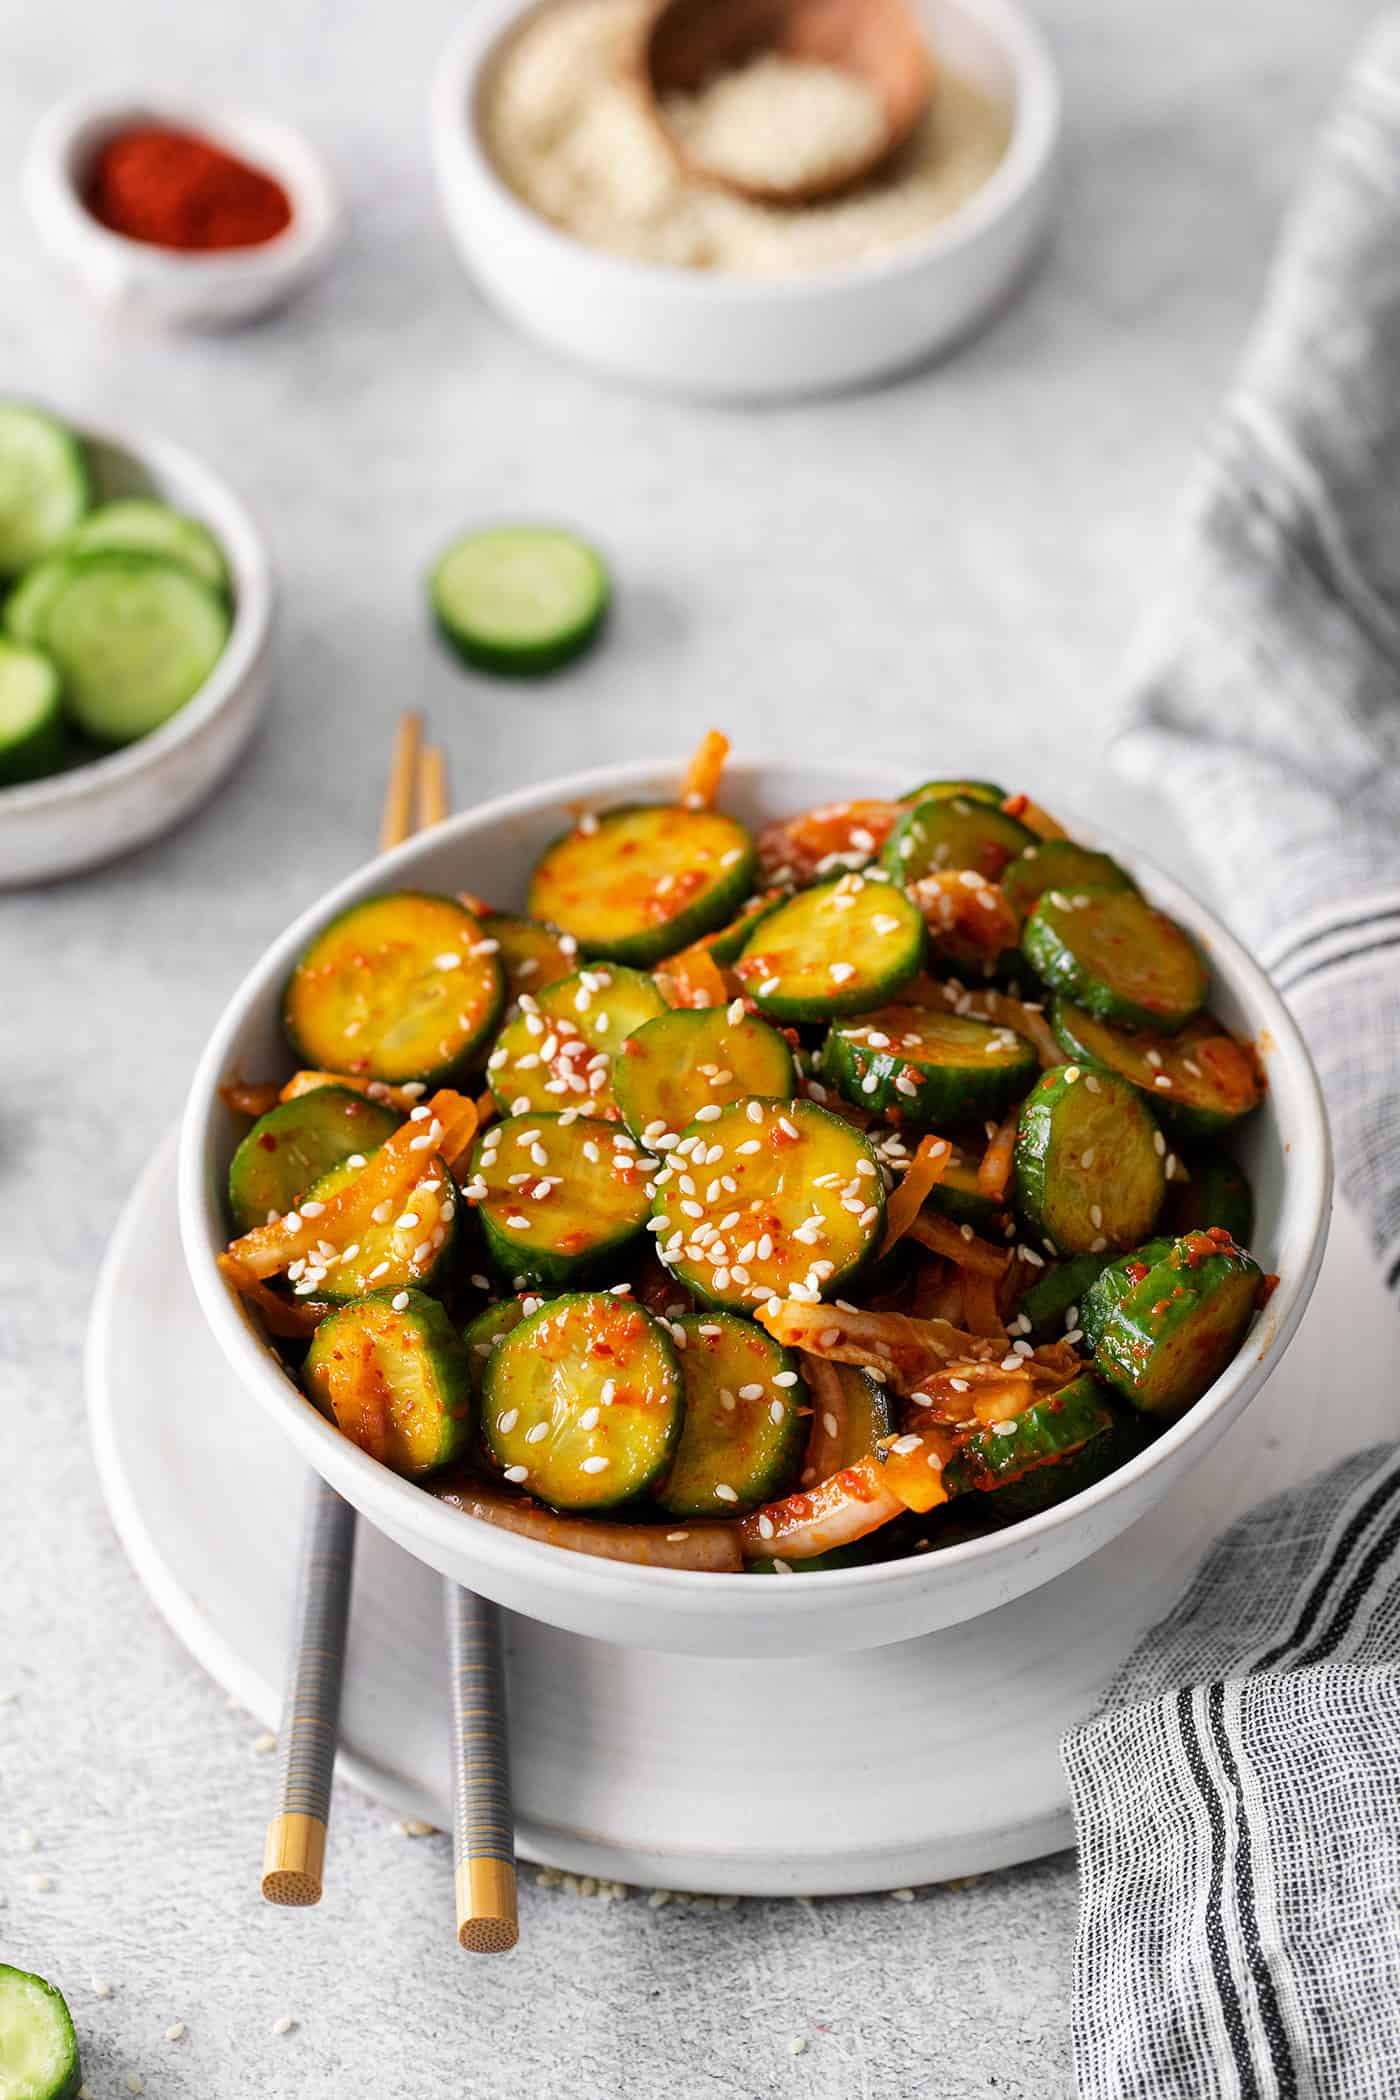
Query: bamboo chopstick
[[400, 795]]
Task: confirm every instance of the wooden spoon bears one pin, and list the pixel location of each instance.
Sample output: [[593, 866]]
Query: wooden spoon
[[687, 43]]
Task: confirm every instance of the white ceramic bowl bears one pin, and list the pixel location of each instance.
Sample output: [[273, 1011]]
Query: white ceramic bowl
[[706, 333], [75, 820], [490, 850], [165, 287]]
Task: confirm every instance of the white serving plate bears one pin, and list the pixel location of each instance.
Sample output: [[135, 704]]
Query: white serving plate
[[782, 1777], [80, 818], [490, 850], [707, 333]]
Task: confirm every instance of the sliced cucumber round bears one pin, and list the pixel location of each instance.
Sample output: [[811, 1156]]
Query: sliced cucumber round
[[27, 606], [519, 599], [297, 1142], [959, 1196], [765, 1198], [634, 885], [483, 1335], [1089, 1174], [1166, 1323], [148, 527], [1048, 1429], [842, 947], [392, 1374], [558, 1051], [690, 1059], [1217, 1193], [1057, 1292], [557, 1200], [584, 1402], [38, 2045], [730, 942], [402, 987], [1055, 1480], [1199, 1081], [745, 1423], [31, 715], [932, 1067], [869, 1414], [412, 1243], [954, 831], [44, 485], [984, 791], [1058, 864], [134, 637], [1111, 953], [1114, 1280], [533, 955]]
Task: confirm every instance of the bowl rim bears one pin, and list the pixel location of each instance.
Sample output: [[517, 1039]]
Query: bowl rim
[[412, 1512], [254, 597], [1036, 120]]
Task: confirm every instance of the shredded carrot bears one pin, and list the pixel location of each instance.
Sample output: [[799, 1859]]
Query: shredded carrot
[[1034, 817], [290, 1320], [924, 1172], [994, 1170], [702, 776], [404, 1099], [960, 1244], [248, 1100], [486, 1109], [693, 978]]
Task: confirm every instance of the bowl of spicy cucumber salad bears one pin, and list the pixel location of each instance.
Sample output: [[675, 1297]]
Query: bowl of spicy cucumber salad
[[135, 610], [753, 1206]]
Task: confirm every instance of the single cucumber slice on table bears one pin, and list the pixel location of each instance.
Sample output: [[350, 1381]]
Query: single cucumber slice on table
[[954, 831], [38, 2047], [149, 527], [583, 1403], [400, 988], [841, 947], [1217, 1193], [745, 1423], [533, 955], [391, 1372], [766, 1195], [1166, 1322], [1058, 864], [1111, 953], [520, 599], [985, 791], [1056, 1479], [31, 715], [634, 885], [44, 485], [1089, 1175], [933, 1067], [1199, 1080], [1056, 1293], [673, 1068], [559, 1050], [134, 637], [1006, 1451], [413, 1244], [297, 1142], [557, 1199]]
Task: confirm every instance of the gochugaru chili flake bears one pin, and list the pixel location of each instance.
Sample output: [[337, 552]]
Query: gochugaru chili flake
[[177, 190]]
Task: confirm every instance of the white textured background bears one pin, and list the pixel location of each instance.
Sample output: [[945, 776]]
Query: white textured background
[[946, 569]]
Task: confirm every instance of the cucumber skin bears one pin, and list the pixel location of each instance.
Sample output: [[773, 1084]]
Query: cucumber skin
[[944, 1093], [1008, 835], [71, 2079], [1039, 873], [1048, 1430], [245, 1207], [1045, 1302], [1113, 1283], [1218, 1193], [985, 791], [1189, 1119], [966, 1206], [521, 660], [41, 750], [445, 1351], [729, 943], [1050, 956], [1032, 1176], [1130, 1332], [643, 950], [1045, 1486], [790, 1011]]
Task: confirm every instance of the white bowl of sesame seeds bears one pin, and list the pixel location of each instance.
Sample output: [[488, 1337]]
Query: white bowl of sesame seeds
[[490, 850]]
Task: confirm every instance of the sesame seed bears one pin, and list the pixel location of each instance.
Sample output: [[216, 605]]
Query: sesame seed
[[540, 1431], [674, 1538], [100, 1987], [725, 1493], [515, 1474], [709, 1113], [175, 2032], [283, 2024], [447, 961], [596, 1464], [508, 1420], [399, 1301]]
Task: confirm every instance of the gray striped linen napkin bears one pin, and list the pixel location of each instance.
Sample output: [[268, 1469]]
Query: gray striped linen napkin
[[1238, 1797]]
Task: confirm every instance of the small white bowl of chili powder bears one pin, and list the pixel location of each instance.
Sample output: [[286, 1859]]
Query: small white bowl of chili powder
[[180, 218]]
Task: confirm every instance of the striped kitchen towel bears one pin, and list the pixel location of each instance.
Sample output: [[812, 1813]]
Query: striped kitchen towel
[[1238, 1797]]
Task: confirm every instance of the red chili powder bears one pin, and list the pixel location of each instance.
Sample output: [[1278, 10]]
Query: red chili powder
[[176, 190]]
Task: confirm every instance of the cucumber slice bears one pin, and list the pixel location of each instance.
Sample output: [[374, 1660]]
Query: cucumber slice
[[1048, 1429], [958, 1196], [1088, 1174], [1166, 1323], [38, 2047], [44, 485], [1199, 1080], [401, 987], [31, 716], [930, 1066], [533, 955], [27, 606], [1058, 864], [558, 1051], [297, 1142], [745, 1421], [392, 1374], [557, 1200], [482, 1337], [1056, 1479], [1218, 1193], [954, 831], [634, 885], [584, 1402], [984, 791], [766, 1196], [1111, 953], [412, 1245], [1115, 1279], [841, 947], [134, 638], [730, 942], [869, 1415], [519, 599], [1047, 1303], [687, 1060], [149, 527]]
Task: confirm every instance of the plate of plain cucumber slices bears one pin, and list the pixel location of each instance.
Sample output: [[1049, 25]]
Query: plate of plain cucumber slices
[[762, 1198], [133, 611]]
